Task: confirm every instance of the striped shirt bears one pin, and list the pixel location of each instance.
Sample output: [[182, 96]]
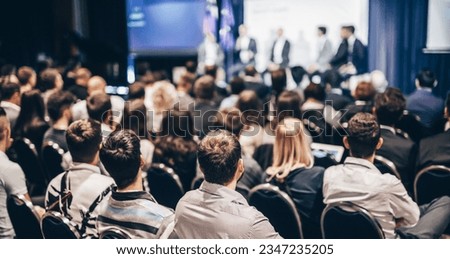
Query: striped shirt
[[137, 214]]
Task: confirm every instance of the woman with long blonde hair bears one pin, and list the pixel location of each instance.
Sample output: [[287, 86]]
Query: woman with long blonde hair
[[294, 172]]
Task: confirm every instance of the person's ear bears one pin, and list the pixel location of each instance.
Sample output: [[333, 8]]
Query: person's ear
[[417, 83], [380, 143], [345, 141], [240, 168]]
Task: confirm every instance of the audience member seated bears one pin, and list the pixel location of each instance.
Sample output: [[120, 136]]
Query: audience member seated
[[100, 109], [27, 79], [252, 135], [383, 195], [59, 110], [435, 150], [402, 152], [136, 91], [10, 101], [253, 81], [237, 86], [293, 171], [12, 178], [216, 210], [338, 97], [31, 122], [218, 75], [51, 82], [184, 89], [314, 98], [83, 179], [364, 95], [204, 107], [95, 85], [134, 119], [175, 146], [79, 89], [423, 102], [164, 97], [130, 208]]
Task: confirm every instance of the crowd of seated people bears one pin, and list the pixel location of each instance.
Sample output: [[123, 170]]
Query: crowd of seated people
[[222, 142]]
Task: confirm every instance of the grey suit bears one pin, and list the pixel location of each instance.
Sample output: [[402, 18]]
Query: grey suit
[[325, 55]]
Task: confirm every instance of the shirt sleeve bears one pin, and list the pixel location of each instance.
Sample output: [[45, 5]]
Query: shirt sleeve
[[403, 206], [262, 229], [14, 180]]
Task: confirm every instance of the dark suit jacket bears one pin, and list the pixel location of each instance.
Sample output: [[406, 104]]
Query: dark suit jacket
[[358, 57], [285, 53], [427, 106], [252, 47], [402, 153], [203, 111], [338, 101], [261, 89], [435, 150]]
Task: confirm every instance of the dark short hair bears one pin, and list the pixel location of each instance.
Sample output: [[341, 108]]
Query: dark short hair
[[178, 124], [136, 91], [83, 140], [279, 80], [250, 71], [349, 28], [365, 91], [211, 70], [426, 78], [237, 85], [204, 87], [24, 74], [230, 120], [315, 91], [121, 157], [363, 135], [98, 106], [218, 156], [322, 29], [298, 73], [48, 78], [3, 123], [8, 90], [191, 66], [250, 106], [58, 102], [389, 106], [288, 105], [332, 78]]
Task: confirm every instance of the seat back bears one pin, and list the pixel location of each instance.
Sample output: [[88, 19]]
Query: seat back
[[55, 226], [28, 159], [113, 233], [165, 185], [52, 157], [430, 183], [24, 218], [410, 124], [345, 220], [386, 166], [279, 208]]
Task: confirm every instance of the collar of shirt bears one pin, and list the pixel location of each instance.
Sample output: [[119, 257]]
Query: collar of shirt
[[426, 89], [10, 105], [391, 129], [3, 155], [83, 167], [222, 191], [361, 162], [360, 103], [132, 195]]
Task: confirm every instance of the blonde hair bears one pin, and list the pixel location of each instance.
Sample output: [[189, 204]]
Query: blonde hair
[[163, 100], [291, 149]]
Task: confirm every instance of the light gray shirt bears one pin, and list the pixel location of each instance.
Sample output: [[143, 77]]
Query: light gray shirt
[[383, 195], [12, 182], [215, 211], [12, 112]]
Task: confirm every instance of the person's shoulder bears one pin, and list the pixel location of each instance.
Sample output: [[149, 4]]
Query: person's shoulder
[[11, 167], [428, 142]]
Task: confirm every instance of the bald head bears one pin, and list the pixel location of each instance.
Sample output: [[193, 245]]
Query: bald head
[[96, 85]]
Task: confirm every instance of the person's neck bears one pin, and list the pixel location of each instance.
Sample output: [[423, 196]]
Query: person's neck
[[3, 147], [182, 90], [371, 158], [231, 185], [61, 124], [136, 186]]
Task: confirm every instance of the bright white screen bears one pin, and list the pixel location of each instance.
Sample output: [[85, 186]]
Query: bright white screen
[[438, 36]]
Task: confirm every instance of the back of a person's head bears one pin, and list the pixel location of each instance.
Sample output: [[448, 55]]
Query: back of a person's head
[[135, 117], [49, 77], [98, 106], [211, 70], [32, 108], [349, 28], [8, 91], [389, 106], [291, 148], [163, 100], [298, 73], [365, 91], [363, 135], [96, 84], [250, 71], [288, 105], [279, 80], [332, 78], [121, 156], [426, 78], [25, 74], [322, 29], [57, 103], [191, 66], [83, 140], [186, 80], [230, 120], [218, 156], [250, 106], [237, 85], [204, 88], [315, 91], [178, 124], [136, 91], [7, 69], [147, 79]]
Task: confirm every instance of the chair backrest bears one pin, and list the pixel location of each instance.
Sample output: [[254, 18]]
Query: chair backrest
[[279, 208], [345, 220], [386, 166], [55, 226], [431, 182], [24, 218], [165, 185], [113, 233], [411, 124], [52, 156], [28, 159]]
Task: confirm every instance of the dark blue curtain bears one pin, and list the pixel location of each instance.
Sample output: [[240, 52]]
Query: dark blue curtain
[[397, 36]]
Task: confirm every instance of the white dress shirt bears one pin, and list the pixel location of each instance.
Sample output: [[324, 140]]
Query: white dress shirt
[[351, 42], [383, 195], [278, 50], [245, 53]]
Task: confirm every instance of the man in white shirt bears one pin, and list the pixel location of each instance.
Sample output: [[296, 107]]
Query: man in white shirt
[[383, 195], [280, 50], [245, 47], [10, 94]]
